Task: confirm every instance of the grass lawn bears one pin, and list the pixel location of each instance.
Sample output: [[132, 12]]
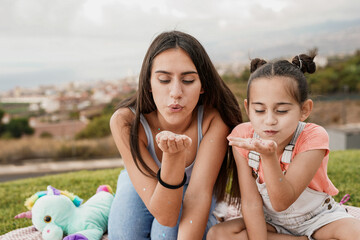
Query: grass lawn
[[344, 171]]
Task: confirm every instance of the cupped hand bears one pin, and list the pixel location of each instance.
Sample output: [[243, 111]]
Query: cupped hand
[[254, 144], [170, 142]]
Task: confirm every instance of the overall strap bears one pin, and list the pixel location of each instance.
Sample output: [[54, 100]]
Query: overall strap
[[287, 154], [254, 157]]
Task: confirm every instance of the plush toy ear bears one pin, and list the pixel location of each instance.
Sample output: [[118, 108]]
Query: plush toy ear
[[52, 191]]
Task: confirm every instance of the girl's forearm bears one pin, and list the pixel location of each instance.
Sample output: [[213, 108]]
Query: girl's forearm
[[255, 222], [194, 217], [165, 203], [173, 168], [280, 191]]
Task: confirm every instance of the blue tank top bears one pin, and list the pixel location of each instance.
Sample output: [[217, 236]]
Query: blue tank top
[[150, 140]]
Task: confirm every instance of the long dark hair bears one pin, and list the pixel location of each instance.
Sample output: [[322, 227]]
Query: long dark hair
[[216, 94]]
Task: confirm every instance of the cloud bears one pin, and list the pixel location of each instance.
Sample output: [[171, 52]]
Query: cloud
[[91, 39], [38, 17]]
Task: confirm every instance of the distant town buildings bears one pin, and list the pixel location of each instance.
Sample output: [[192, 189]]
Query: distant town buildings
[[64, 129], [52, 106], [70, 97]]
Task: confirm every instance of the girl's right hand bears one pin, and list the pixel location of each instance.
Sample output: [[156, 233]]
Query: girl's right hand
[[170, 142], [259, 145]]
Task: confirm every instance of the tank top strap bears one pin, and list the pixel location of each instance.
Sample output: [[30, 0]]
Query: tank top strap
[[149, 136], [200, 117]]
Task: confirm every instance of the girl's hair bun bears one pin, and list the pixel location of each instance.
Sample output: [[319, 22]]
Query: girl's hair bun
[[305, 62], [256, 63]]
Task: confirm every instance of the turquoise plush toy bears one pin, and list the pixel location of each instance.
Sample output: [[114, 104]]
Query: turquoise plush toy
[[59, 213]]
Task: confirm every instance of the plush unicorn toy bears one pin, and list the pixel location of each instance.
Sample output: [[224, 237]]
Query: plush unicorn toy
[[57, 213]]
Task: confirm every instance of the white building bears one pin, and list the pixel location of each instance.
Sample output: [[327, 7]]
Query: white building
[[344, 137], [50, 105]]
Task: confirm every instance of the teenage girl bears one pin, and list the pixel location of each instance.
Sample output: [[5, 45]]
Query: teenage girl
[[282, 162], [172, 137]]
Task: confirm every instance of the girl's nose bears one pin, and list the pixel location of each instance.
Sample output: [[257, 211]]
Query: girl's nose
[[175, 90], [270, 119]]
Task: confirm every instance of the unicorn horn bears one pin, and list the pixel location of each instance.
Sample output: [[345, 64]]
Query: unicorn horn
[[50, 190], [27, 214]]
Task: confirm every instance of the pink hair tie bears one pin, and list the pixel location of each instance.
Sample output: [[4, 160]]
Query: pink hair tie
[[345, 199]]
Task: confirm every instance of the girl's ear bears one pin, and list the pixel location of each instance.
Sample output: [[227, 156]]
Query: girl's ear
[[306, 109], [202, 91], [246, 106]]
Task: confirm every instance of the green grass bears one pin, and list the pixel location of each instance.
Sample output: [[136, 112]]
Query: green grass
[[16, 108], [343, 170]]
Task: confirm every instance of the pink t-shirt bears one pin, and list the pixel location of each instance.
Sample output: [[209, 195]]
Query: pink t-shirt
[[312, 137]]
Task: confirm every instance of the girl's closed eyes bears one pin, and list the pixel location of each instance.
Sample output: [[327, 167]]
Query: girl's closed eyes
[[167, 78], [276, 111]]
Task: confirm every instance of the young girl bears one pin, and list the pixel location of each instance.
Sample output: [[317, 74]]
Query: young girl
[[172, 137], [282, 162]]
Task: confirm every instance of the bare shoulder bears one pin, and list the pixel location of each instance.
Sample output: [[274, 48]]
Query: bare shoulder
[[120, 123], [121, 118], [210, 114], [212, 118]]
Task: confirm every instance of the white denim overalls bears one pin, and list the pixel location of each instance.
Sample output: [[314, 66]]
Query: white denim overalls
[[307, 213]]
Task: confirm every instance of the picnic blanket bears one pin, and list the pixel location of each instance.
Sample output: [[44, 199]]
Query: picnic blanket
[[28, 233], [223, 212]]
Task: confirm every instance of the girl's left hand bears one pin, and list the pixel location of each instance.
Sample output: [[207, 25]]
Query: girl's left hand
[[170, 142], [259, 145]]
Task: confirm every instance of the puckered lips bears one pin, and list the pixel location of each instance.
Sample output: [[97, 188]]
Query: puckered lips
[[175, 108]]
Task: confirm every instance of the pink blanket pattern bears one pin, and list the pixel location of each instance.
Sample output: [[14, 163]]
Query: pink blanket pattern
[[28, 233]]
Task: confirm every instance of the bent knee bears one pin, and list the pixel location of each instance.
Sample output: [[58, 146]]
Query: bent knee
[[346, 228], [350, 228], [218, 232], [214, 233]]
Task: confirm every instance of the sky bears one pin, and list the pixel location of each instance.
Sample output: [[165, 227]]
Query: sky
[[44, 42]]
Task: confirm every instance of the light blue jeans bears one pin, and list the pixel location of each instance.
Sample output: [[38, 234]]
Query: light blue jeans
[[129, 218]]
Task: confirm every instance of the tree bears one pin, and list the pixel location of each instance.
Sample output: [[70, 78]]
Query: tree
[[2, 127], [97, 128], [324, 81], [17, 127]]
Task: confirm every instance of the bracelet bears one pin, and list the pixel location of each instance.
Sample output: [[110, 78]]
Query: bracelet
[[164, 184]]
